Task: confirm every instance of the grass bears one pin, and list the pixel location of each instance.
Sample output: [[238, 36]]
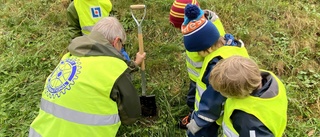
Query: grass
[[282, 36]]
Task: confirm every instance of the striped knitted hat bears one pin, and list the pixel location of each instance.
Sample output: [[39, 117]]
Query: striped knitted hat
[[177, 11], [198, 33]]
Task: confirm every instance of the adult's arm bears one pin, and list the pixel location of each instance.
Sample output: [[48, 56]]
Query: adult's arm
[[74, 27], [246, 124], [127, 98], [132, 66]]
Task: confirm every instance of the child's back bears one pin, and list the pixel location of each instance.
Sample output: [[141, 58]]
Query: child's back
[[257, 102]]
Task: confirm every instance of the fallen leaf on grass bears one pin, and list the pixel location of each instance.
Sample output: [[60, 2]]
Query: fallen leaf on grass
[[311, 132]]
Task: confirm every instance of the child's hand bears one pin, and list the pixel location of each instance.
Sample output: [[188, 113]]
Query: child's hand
[[140, 58], [193, 127]]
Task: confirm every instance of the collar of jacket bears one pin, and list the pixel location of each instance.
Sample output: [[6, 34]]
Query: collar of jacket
[[93, 44], [269, 87]]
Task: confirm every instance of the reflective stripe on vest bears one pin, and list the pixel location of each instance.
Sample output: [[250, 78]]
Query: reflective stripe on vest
[[200, 90], [76, 100], [192, 72], [76, 116], [228, 132], [224, 52], [90, 12], [194, 64], [33, 133], [194, 61], [272, 112]]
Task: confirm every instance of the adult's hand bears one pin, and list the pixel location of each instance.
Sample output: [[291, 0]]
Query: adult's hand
[[140, 58]]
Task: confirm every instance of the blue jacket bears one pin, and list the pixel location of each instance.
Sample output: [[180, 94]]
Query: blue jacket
[[210, 105]]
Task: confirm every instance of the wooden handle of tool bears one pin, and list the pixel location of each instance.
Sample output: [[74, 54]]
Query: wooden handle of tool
[[137, 7], [141, 49]]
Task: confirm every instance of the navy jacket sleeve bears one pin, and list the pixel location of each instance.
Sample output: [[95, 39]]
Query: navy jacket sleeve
[[210, 105], [243, 123]]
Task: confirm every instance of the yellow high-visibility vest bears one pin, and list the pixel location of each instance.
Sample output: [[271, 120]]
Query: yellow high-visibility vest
[[76, 99], [194, 60], [272, 112], [90, 12], [224, 52]]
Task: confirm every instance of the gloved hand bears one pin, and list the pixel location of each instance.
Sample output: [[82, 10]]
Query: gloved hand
[[210, 15], [230, 40], [193, 127], [125, 54]]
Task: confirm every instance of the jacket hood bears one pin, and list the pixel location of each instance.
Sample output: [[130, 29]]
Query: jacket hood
[[269, 87], [93, 44]]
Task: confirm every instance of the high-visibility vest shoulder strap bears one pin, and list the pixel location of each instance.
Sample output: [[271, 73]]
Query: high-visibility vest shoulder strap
[[224, 52], [219, 26], [194, 64]]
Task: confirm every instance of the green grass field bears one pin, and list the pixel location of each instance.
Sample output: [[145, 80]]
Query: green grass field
[[282, 36]]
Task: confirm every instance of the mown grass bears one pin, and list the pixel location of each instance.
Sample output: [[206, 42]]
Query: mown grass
[[282, 36]]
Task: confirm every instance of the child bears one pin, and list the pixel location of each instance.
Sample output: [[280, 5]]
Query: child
[[203, 37], [193, 60], [257, 102]]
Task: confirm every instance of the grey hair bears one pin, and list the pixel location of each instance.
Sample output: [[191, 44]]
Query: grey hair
[[111, 28]]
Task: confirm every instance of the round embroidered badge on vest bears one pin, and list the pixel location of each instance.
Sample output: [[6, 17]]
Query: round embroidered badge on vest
[[62, 78]]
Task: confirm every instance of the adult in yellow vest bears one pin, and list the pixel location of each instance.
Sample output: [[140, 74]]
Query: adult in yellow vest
[[193, 59], [203, 37], [83, 14], [90, 93], [257, 102]]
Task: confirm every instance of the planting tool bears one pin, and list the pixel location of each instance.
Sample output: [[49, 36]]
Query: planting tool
[[148, 102]]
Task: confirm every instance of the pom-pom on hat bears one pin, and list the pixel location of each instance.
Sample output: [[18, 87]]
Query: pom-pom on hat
[[198, 33], [176, 17]]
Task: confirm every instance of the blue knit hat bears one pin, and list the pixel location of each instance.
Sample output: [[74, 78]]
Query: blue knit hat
[[198, 33]]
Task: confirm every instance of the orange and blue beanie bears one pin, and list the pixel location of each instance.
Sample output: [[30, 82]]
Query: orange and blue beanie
[[177, 11], [198, 33]]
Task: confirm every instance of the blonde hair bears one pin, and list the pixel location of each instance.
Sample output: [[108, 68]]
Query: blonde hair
[[110, 28], [235, 76], [221, 41]]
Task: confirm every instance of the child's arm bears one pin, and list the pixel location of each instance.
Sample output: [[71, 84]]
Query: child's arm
[[210, 105], [245, 124]]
